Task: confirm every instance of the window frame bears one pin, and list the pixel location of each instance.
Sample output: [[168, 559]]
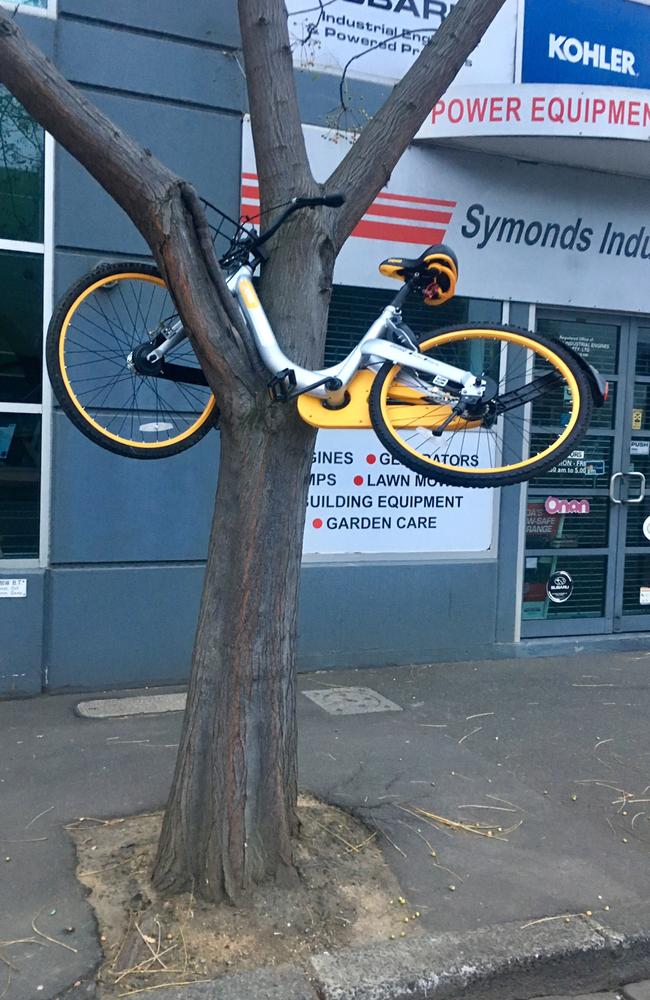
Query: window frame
[[44, 408], [48, 11]]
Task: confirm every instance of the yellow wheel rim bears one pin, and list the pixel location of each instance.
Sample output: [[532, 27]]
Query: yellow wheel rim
[[502, 335], [129, 442]]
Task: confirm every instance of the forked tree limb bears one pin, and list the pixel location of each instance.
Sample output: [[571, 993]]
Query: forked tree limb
[[282, 164], [137, 181], [160, 204], [369, 163]]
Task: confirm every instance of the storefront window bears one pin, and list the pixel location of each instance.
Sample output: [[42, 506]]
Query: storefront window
[[37, 4], [353, 309], [583, 597], [21, 173], [21, 329], [20, 452]]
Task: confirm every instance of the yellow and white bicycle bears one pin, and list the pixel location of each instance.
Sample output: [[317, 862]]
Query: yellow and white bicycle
[[124, 372]]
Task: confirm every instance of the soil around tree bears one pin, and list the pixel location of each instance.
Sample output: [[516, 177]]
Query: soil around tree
[[345, 895]]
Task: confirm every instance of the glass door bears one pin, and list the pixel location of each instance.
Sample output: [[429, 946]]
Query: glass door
[[629, 492], [572, 526]]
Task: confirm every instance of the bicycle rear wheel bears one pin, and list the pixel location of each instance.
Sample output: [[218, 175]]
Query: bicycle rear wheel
[[541, 392], [103, 318]]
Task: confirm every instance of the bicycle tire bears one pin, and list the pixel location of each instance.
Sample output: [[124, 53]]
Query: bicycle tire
[[106, 313], [556, 363]]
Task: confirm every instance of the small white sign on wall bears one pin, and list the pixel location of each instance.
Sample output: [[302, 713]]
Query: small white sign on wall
[[13, 588]]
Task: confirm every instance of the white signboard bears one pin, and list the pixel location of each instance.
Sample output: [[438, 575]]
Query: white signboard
[[380, 39], [13, 588], [362, 500], [539, 109], [525, 232]]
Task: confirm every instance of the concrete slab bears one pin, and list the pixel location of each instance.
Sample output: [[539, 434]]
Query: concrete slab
[[490, 964], [637, 991], [281, 983], [351, 701], [120, 708]]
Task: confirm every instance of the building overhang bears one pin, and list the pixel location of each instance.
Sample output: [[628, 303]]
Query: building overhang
[[592, 128]]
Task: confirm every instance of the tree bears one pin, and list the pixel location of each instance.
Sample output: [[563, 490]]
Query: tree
[[231, 814]]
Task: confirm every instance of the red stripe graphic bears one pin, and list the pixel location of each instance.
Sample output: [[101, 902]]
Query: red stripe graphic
[[372, 229], [423, 201], [419, 214], [400, 234]]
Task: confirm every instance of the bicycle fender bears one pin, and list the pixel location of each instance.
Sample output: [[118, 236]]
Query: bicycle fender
[[597, 384]]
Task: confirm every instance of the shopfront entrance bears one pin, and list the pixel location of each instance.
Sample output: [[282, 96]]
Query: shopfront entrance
[[587, 551]]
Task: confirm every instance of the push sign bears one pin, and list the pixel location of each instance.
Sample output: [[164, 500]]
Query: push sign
[[604, 42]]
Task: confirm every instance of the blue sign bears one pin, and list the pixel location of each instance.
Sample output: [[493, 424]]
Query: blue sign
[[604, 42]]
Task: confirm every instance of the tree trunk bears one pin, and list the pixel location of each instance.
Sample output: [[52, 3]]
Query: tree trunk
[[232, 808]]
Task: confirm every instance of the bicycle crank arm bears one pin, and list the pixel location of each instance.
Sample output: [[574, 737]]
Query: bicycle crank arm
[[140, 363]]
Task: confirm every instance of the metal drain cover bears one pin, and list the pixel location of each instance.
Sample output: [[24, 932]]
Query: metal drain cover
[[351, 701]]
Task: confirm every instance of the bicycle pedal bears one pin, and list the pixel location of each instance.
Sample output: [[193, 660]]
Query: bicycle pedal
[[281, 385]]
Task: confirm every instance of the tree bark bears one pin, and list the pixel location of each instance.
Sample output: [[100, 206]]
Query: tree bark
[[231, 813]]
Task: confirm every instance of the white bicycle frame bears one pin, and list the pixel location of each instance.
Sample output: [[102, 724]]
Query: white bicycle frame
[[371, 349]]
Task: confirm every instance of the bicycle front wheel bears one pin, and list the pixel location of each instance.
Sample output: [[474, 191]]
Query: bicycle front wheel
[[93, 333], [537, 407]]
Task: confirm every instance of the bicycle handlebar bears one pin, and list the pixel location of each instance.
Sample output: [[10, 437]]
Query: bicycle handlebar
[[327, 201]]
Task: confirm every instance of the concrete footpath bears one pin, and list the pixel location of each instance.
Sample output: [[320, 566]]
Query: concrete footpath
[[555, 751]]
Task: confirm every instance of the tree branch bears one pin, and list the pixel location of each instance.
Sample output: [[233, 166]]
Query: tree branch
[[368, 165], [163, 207], [107, 152], [282, 163]]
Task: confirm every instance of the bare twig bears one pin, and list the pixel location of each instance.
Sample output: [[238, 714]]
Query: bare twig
[[392, 842], [505, 809], [49, 809], [162, 986], [61, 944], [27, 840], [454, 825], [148, 944], [467, 735], [544, 920], [6, 989]]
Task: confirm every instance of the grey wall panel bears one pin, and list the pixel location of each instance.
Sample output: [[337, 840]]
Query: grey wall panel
[[320, 101], [134, 625], [69, 267], [40, 30], [160, 67], [21, 629], [111, 509], [202, 20], [202, 146], [376, 615], [117, 627]]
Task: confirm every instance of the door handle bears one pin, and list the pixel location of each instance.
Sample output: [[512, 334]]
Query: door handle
[[612, 487], [641, 496]]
